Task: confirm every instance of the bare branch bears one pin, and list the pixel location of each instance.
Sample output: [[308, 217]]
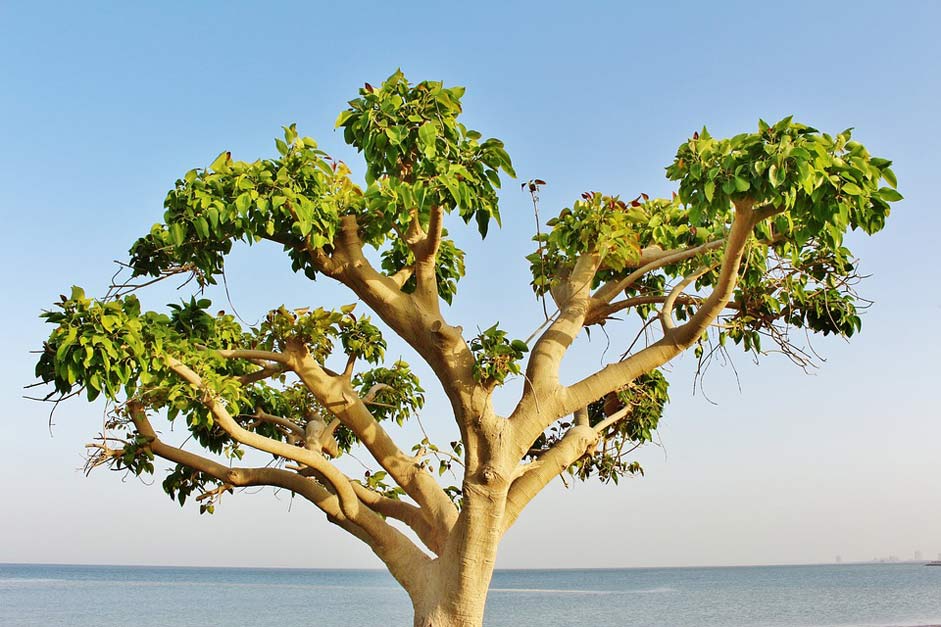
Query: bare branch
[[599, 314], [442, 346], [613, 419], [289, 425], [533, 477], [538, 407], [666, 312], [404, 512], [348, 369], [547, 353], [581, 417], [766, 211], [402, 276], [243, 477], [608, 291], [266, 372], [426, 252], [254, 355]]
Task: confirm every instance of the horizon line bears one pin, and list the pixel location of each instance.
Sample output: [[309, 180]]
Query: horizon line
[[509, 569]]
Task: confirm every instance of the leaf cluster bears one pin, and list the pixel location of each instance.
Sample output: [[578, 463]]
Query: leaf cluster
[[596, 224], [449, 265], [495, 356], [644, 400], [418, 156], [822, 184], [296, 199], [398, 392], [182, 481], [377, 481]]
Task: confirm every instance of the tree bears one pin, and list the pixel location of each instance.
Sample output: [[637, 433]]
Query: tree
[[749, 248]]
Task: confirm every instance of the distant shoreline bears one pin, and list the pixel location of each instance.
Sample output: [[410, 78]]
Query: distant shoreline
[[522, 569]]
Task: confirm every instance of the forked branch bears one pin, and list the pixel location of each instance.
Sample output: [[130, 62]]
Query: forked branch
[[678, 338], [396, 550]]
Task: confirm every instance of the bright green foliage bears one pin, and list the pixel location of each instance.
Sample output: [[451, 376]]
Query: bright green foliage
[[826, 184], [361, 338], [96, 343], [398, 392], [496, 357], [616, 231], [810, 187], [111, 348], [596, 224], [296, 199], [797, 271], [418, 158], [419, 155]]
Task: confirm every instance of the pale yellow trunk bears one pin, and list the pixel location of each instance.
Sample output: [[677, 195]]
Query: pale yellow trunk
[[455, 591]]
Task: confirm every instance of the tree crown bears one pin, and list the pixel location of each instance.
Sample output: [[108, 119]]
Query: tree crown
[[756, 229]]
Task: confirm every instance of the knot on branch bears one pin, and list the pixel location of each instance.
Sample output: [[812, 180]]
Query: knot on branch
[[488, 475]]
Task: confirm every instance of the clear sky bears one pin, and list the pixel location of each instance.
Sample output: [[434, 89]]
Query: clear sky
[[103, 105]]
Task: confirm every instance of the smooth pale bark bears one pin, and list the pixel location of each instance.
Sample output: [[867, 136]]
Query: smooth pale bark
[[455, 591]]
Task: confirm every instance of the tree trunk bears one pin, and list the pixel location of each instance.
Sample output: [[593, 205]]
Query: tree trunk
[[455, 591], [441, 608]]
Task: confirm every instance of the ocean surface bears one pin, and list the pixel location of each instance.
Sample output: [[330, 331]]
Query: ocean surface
[[770, 596]]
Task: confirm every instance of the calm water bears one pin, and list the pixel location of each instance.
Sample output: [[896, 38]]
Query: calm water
[[771, 596]]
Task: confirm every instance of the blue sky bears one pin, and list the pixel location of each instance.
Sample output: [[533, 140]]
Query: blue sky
[[103, 105]]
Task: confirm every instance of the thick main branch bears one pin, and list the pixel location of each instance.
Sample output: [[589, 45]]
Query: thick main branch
[[415, 320], [338, 396], [678, 338], [534, 476]]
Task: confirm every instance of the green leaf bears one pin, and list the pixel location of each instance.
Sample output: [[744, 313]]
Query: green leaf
[[889, 177], [427, 134], [889, 195], [396, 134], [775, 176], [853, 189], [202, 227], [483, 223], [290, 133], [177, 234], [710, 189], [243, 202], [342, 118], [221, 162]]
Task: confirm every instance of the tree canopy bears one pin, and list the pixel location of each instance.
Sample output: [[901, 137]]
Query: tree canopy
[[750, 247]]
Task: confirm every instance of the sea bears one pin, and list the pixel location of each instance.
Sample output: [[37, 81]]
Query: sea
[[861, 595]]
